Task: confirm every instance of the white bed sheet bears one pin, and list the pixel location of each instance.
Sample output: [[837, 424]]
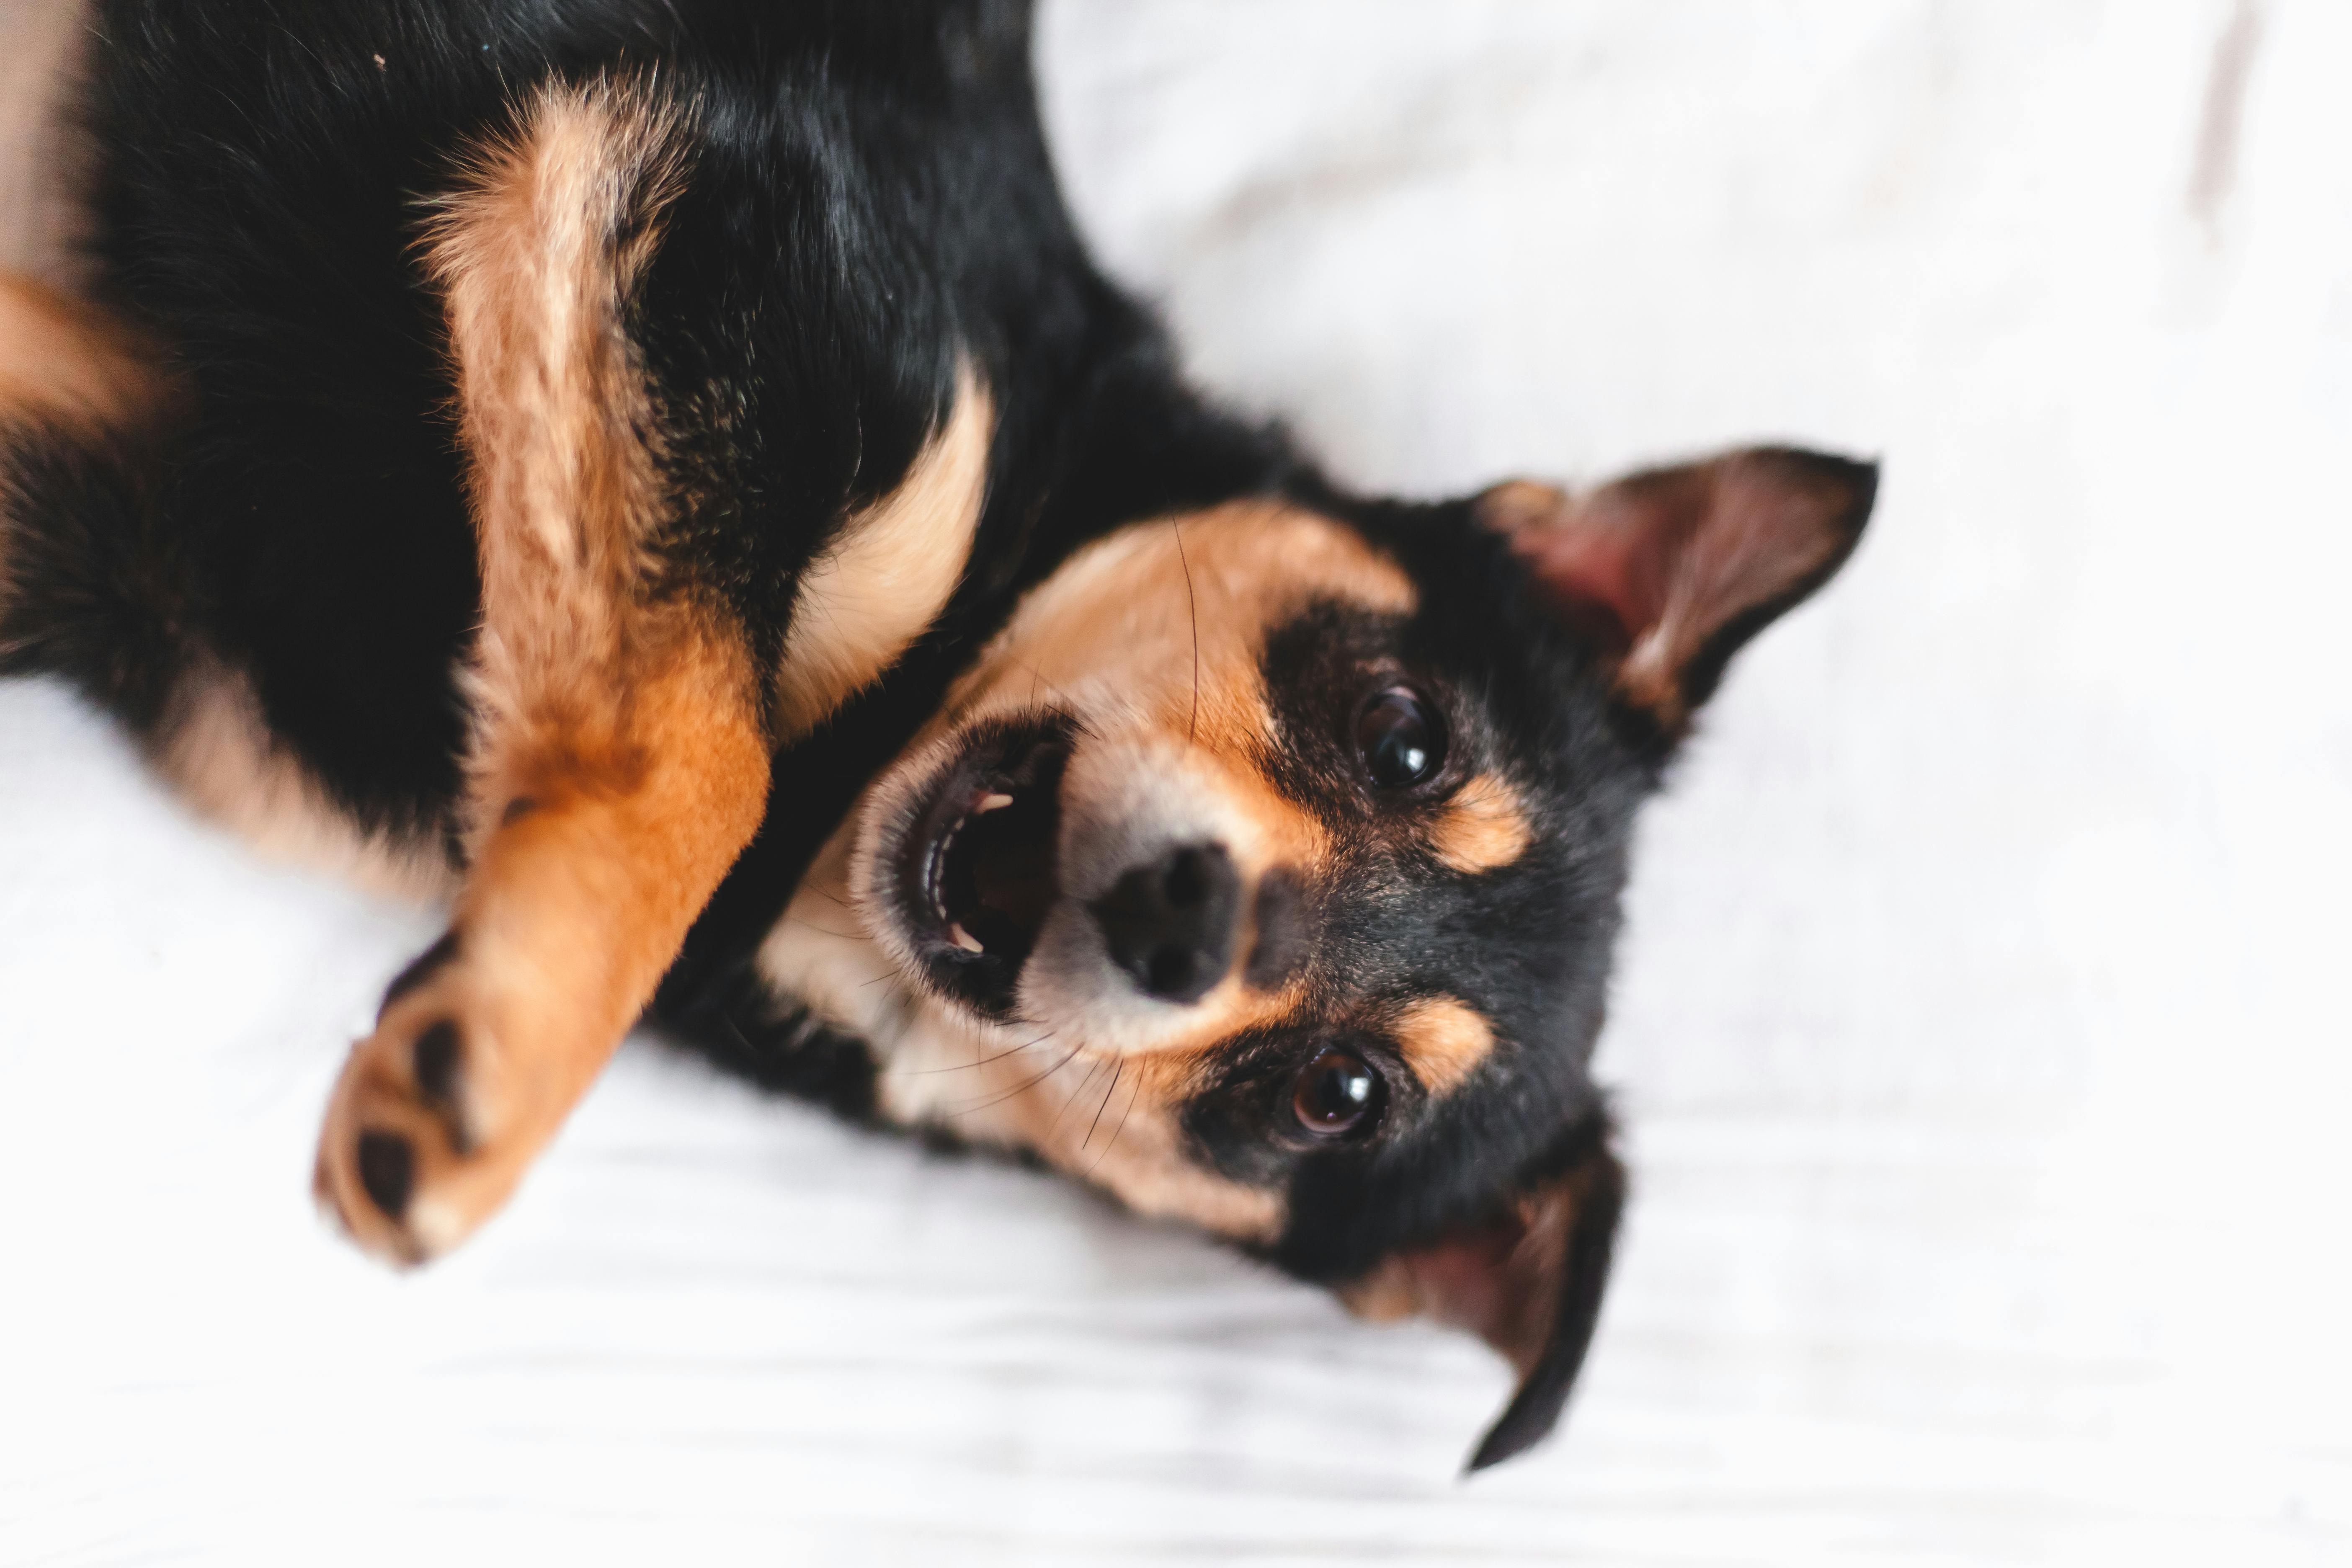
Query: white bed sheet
[[1981, 1033]]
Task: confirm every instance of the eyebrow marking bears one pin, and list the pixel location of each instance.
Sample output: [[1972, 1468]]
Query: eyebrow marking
[[1444, 1039], [1483, 828]]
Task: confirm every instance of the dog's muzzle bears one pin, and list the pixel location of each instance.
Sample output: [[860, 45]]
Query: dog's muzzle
[[1085, 885]]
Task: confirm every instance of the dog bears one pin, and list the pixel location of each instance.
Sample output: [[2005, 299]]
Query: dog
[[669, 481]]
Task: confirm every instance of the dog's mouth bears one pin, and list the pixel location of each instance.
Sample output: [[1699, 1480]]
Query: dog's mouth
[[974, 869]]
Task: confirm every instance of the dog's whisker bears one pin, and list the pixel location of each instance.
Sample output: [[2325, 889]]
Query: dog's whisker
[[1191, 606], [812, 925], [1096, 1122], [981, 1062], [1077, 1094], [1037, 679], [1134, 1093], [1021, 1088]]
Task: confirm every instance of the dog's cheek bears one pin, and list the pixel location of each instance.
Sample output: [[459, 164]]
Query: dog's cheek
[[1133, 1141]]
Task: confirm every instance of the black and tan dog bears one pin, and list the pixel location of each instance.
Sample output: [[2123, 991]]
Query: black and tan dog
[[668, 479]]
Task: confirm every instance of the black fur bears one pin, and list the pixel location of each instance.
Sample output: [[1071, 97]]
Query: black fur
[[96, 588], [735, 1022]]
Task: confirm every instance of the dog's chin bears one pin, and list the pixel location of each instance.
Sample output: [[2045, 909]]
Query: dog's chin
[[958, 867]]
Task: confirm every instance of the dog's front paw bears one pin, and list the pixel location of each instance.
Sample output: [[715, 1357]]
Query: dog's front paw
[[424, 1140]]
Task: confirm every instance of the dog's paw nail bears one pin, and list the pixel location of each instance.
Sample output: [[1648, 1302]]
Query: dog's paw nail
[[436, 1063], [387, 1171]]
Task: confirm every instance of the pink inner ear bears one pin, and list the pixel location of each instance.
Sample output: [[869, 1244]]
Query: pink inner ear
[[1498, 1281], [1463, 1280], [1599, 564], [1655, 565]]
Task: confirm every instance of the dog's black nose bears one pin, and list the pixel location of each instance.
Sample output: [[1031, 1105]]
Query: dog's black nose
[[1170, 925]]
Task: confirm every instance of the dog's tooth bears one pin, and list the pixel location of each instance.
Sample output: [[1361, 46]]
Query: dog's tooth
[[989, 803], [963, 939]]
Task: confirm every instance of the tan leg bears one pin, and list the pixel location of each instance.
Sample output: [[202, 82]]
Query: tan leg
[[577, 901], [619, 763]]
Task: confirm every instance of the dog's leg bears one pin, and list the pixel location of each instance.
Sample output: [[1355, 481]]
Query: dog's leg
[[619, 761], [623, 805]]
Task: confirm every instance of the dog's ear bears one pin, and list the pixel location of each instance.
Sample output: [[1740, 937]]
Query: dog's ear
[[1672, 569], [1527, 1280]]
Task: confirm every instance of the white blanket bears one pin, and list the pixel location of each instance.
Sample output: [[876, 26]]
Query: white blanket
[[1981, 1031]]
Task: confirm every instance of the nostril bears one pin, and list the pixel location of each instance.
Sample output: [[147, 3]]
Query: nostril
[[1170, 925]]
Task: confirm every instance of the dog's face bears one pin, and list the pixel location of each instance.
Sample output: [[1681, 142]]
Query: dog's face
[[1264, 870]]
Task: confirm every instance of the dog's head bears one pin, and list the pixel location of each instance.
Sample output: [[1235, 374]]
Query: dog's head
[[1264, 870]]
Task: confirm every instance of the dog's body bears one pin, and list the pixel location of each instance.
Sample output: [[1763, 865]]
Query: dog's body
[[671, 481]]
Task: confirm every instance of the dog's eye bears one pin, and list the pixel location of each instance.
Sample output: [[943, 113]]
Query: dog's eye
[[1400, 740], [1335, 1094]]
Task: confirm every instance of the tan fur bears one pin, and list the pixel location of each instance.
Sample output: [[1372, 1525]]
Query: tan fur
[[1483, 829], [215, 745], [890, 570], [1443, 1040], [1516, 506], [618, 764], [536, 265], [1112, 1121], [1123, 618], [68, 361]]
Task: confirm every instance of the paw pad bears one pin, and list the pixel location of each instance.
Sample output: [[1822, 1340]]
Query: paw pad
[[436, 1063], [387, 1171]]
